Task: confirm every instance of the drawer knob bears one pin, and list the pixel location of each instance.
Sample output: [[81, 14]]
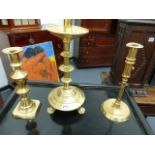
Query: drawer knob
[[87, 61], [87, 52], [89, 37], [31, 41], [88, 43]]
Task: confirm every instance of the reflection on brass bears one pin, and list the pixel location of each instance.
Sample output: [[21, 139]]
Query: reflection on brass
[[66, 97], [31, 128], [26, 108], [115, 109]]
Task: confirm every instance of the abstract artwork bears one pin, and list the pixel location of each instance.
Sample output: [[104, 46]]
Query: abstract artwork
[[39, 61]]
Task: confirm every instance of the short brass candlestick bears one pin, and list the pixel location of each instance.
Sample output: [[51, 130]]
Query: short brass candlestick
[[66, 98], [115, 109], [26, 108]]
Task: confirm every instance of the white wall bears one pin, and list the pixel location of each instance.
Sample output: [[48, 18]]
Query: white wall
[[4, 43], [52, 21], [3, 78]]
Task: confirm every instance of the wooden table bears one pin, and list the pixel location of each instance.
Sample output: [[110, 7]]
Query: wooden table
[[147, 103]]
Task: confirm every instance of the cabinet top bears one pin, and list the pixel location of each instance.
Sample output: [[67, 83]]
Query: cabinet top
[[139, 21]]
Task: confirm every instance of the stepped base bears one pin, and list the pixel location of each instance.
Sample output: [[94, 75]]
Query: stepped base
[[66, 99]]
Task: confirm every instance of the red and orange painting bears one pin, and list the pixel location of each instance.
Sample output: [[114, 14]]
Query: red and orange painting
[[39, 61]]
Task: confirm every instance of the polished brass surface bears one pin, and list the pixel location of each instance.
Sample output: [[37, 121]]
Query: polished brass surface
[[26, 108], [115, 113], [67, 33], [66, 98], [115, 109]]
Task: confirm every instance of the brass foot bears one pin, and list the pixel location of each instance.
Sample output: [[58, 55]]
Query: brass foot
[[50, 110], [81, 110], [27, 114], [114, 113], [66, 99]]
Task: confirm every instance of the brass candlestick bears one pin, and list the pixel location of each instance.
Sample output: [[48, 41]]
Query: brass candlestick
[[115, 109], [26, 108], [66, 98]]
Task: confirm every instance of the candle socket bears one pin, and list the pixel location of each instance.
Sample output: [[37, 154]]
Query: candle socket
[[115, 109], [26, 108], [66, 97]]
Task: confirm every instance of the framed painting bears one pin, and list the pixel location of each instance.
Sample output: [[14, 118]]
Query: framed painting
[[39, 61]]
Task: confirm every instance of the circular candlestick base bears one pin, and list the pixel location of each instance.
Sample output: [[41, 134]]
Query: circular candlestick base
[[115, 113], [66, 99]]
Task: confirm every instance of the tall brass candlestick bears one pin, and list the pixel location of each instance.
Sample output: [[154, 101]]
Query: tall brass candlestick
[[66, 98], [26, 108], [115, 109]]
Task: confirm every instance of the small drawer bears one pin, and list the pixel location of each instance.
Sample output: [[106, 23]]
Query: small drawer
[[28, 38], [88, 36], [41, 35], [96, 51], [96, 61], [97, 40], [19, 39], [87, 43], [105, 40]]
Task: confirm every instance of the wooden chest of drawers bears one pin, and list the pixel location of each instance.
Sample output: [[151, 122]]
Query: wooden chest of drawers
[[97, 47], [140, 31], [23, 38]]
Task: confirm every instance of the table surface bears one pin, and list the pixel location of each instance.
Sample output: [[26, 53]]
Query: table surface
[[149, 99], [92, 122]]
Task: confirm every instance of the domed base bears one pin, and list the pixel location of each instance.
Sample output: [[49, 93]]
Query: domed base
[[114, 113], [66, 99]]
